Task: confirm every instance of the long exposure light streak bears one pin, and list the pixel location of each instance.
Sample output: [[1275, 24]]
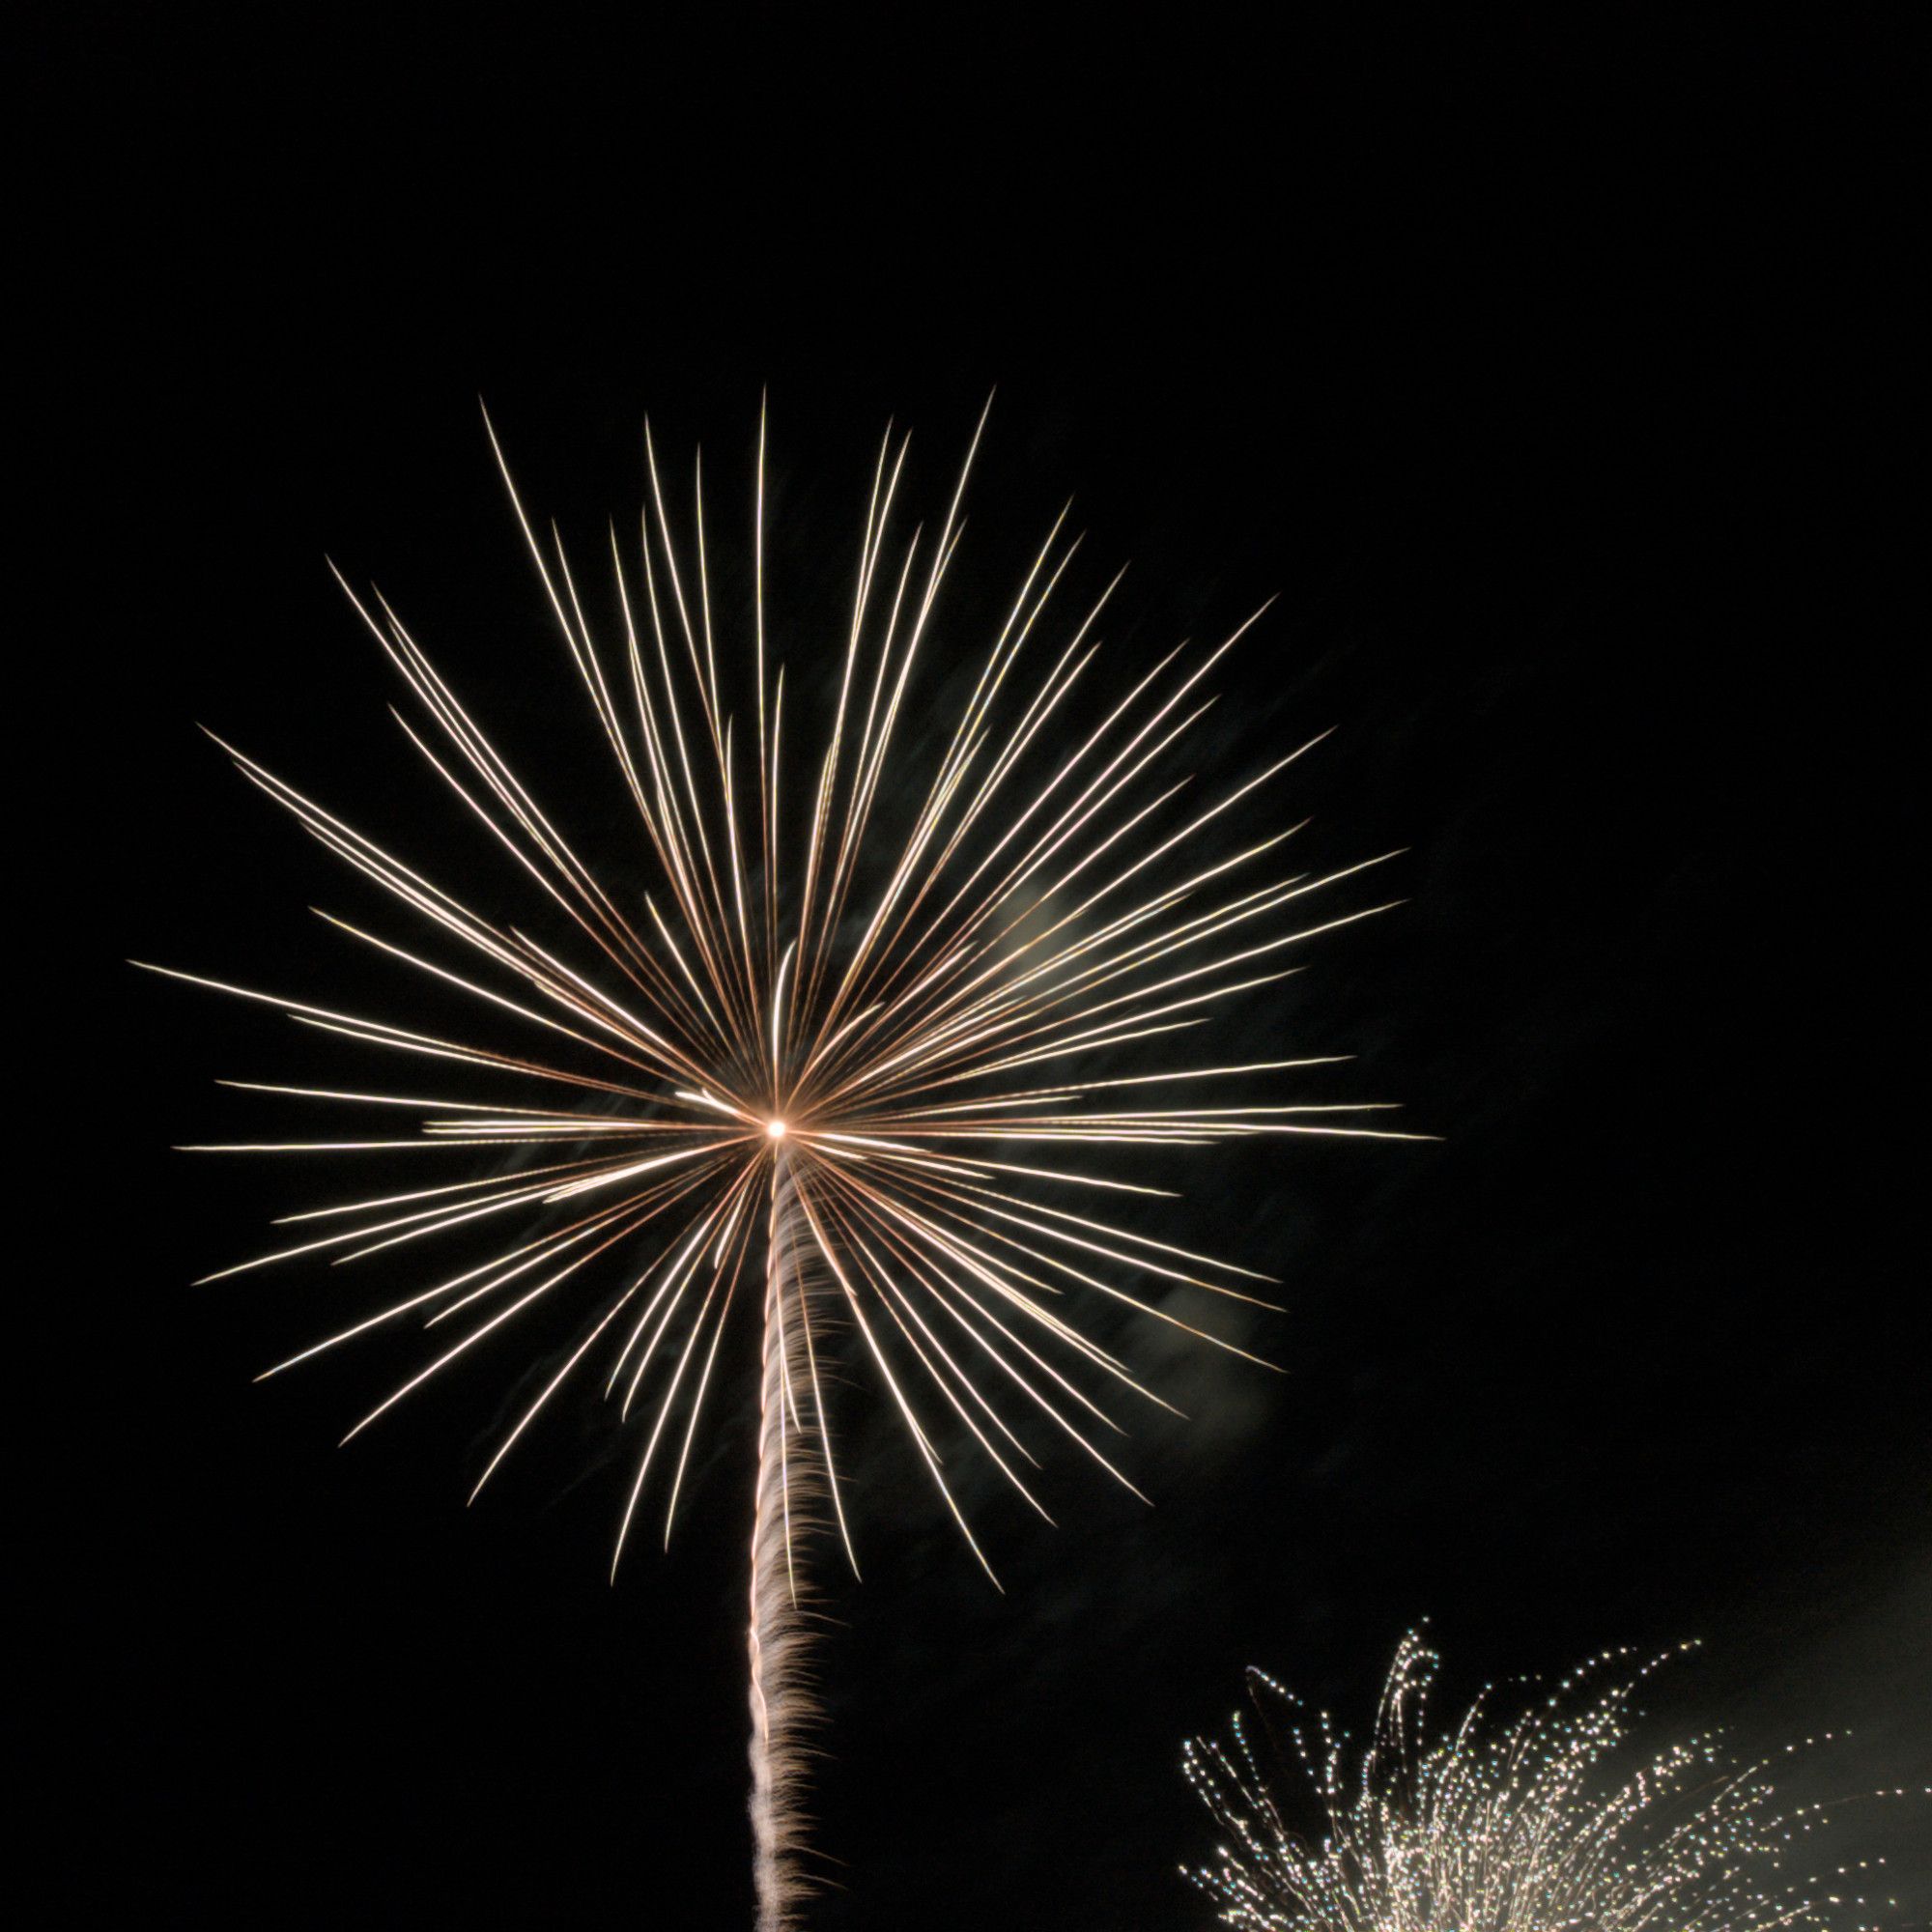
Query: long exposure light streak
[[861, 1030]]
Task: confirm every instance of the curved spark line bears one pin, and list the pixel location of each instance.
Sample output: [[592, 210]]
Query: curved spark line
[[907, 1025], [1540, 1824]]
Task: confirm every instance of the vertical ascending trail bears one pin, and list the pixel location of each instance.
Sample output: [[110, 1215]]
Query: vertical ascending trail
[[783, 1707]]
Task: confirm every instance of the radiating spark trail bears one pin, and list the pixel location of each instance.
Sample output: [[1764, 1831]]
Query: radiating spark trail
[[855, 1032]]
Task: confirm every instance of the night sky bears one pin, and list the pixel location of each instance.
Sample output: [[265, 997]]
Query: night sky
[[1548, 384]]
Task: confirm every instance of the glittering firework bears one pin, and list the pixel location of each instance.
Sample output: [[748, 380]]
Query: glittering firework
[[851, 1044], [1541, 1823]]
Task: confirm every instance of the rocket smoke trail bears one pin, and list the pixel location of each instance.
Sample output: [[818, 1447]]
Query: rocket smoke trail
[[783, 1707]]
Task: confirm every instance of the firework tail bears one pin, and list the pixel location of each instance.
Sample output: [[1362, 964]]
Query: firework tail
[[783, 1707]]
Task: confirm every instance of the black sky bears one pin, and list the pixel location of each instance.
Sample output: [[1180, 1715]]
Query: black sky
[[1552, 381]]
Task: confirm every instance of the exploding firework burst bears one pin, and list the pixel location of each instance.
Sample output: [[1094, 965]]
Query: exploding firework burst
[[1538, 1823], [850, 1055]]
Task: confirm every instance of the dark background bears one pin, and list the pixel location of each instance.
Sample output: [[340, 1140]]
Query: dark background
[[1549, 377]]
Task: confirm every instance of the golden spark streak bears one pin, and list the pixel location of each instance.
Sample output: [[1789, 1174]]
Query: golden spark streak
[[827, 991]]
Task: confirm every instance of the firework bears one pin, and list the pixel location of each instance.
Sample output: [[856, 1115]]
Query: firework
[[1539, 1823], [869, 1018]]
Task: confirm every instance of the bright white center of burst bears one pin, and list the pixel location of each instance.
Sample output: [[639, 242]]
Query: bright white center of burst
[[776, 1129]]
